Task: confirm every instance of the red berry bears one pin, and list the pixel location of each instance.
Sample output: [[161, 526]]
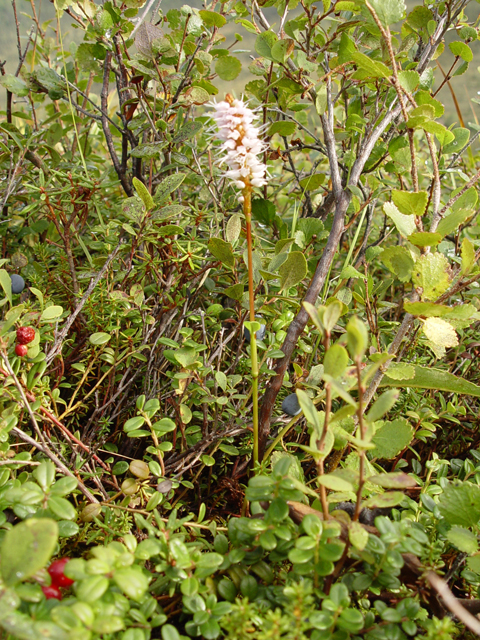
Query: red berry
[[21, 350], [25, 335], [56, 571], [52, 592]]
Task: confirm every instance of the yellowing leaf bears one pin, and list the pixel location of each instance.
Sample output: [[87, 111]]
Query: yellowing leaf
[[440, 332], [405, 224], [432, 275]]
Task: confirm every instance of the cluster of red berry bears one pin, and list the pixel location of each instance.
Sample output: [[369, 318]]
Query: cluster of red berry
[[24, 336], [59, 579]]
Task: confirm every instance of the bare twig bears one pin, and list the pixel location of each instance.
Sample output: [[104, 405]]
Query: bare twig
[[452, 604], [57, 345], [127, 187]]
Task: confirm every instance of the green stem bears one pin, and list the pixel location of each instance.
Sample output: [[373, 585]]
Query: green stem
[[247, 209]]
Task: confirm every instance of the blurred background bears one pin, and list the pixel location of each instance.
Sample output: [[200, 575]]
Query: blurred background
[[466, 87]]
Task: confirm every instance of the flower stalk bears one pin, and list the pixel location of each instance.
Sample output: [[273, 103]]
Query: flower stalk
[[240, 149]]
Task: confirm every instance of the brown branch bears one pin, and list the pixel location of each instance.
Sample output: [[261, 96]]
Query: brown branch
[[451, 603], [127, 187]]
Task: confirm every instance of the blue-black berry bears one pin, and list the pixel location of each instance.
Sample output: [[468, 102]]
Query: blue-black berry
[[290, 405], [260, 333], [18, 283]]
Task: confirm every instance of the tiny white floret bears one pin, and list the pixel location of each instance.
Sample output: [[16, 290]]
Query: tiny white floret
[[241, 144]]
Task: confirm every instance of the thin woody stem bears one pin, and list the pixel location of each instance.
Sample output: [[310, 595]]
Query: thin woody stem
[[247, 209], [361, 426]]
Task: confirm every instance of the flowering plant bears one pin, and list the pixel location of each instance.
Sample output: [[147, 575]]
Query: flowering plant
[[235, 122], [241, 145]]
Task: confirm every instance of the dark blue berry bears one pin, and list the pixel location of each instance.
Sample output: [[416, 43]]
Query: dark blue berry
[[18, 283], [290, 405], [260, 333]]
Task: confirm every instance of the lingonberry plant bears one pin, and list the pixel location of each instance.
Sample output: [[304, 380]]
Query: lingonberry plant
[[238, 331]]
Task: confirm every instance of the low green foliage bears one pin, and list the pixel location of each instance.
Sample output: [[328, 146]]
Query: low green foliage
[[126, 437]]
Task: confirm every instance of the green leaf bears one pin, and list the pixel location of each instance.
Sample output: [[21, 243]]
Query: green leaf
[[463, 539], [6, 283], [357, 337], [263, 210], [399, 261], [233, 228], [405, 224], [432, 274], [409, 80], [321, 99], [293, 270], [186, 356], [358, 536], [401, 371], [14, 84], [235, 291], [132, 581], [450, 223], [51, 313], [228, 68], [426, 309], [148, 150], [222, 250], [410, 204], [462, 136], [461, 50], [384, 500], [430, 378], [169, 632], [133, 424], [168, 186], [383, 404], [310, 183], [335, 482], [389, 11], [143, 194], [212, 18], [335, 361], [425, 239], [100, 338], [468, 199], [309, 409], [424, 97], [392, 438], [460, 503], [282, 50], [468, 256], [62, 508], [264, 43], [92, 588], [26, 548], [443, 135], [282, 127], [395, 480], [374, 68]]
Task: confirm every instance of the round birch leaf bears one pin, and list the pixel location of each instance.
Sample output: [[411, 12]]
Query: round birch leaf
[[463, 539], [293, 270], [432, 274], [228, 68], [460, 503], [392, 438], [440, 332]]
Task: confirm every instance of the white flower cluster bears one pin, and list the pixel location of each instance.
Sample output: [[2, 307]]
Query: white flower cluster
[[241, 143]]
